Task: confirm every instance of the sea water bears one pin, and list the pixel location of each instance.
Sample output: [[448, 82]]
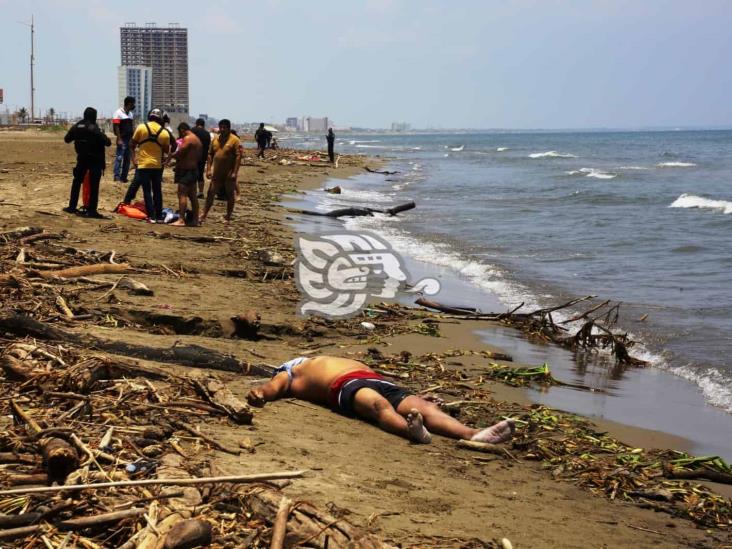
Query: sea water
[[643, 218]]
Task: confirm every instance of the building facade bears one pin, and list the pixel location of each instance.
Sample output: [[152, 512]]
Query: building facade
[[136, 81], [164, 50]]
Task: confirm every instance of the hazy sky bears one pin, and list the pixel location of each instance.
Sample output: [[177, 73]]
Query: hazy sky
[[449, 63]]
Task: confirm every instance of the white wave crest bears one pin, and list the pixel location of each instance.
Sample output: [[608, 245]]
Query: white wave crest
[[592, 172], [715, 386], [633, 168], [693, 201], [675, 164], [551, 154], [457, 149], [501, 149]]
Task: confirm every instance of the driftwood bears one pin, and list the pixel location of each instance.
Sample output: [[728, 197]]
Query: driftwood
[[382, 172], [188, 534], [279, 527], [357, 212], [99, 520], [14, 369], [19, 232], [310, 527], [221, 397], [213, 442], [87, 270], [698, 474], [187, 355], [234, 479], [595, 333], [15, 521], [15, 533]]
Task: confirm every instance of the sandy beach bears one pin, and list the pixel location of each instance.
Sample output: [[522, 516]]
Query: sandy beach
[[405, 495]]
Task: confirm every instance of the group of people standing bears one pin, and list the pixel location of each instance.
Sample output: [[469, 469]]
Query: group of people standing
[[151, 147]]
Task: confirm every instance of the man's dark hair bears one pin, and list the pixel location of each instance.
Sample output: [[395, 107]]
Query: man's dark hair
[[225, 122], [183, 126], [201, 122], [129, 99], [261, 124]]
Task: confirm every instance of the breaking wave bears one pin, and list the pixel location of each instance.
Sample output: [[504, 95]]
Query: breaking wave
[[592, 172], [675, 164], [693, 201], [551, 154]]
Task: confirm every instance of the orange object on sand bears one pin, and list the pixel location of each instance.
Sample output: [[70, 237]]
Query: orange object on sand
[[86, 189], [133, 211]]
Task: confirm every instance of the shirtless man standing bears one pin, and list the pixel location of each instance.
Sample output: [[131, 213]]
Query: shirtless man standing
[[353, 389], [224, 158], [187, 156]]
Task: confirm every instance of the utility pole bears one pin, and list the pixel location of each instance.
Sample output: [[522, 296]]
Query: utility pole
[[32, 63]]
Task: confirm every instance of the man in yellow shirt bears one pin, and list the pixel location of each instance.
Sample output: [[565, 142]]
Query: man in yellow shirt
[[224, 158], [148, 148]]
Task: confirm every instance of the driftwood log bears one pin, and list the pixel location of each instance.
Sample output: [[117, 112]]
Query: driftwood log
[[188, 534], [357, 212], [87, 270]]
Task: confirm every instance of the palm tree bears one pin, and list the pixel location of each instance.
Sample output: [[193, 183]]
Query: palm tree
[[23, 114]]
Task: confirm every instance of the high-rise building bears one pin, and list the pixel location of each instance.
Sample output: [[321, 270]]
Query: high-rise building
[[165, 51], [291, 123], [136, 81], [315, 124]]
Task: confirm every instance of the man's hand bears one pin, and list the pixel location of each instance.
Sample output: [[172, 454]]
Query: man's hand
[[255, 397], [119, 140], [208, 174]]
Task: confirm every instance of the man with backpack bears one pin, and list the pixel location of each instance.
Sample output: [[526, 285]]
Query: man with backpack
[[89, 141], [148, 147]]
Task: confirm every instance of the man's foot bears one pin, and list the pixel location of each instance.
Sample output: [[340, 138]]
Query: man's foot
[[94, 215], [495, 434], [115, 179], [124, 180], [70, 210], [179, 223], [416, 429]]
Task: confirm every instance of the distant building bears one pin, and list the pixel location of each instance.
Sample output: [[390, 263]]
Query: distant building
[[400, 127], [165, 51], [291, 123], [315, 124], [136, 81]]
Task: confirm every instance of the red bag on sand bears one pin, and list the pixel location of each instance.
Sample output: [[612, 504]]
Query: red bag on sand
[[133, 211], [86, 189]]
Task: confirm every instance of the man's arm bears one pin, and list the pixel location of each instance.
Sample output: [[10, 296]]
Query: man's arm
[[237, 162], [71, 134], [209, 163], [274, 389]]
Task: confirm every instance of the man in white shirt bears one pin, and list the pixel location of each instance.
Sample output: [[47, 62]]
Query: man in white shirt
[[122, 125]]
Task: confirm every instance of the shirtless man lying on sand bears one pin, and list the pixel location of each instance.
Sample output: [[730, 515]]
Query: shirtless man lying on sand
[[353, 389]]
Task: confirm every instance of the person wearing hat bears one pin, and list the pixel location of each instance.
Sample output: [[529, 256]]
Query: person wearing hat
[[149, 146]]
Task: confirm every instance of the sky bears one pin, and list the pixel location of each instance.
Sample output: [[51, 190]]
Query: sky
[[431, 63]]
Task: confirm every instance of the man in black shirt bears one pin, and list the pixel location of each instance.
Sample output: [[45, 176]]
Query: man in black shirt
[[262, 137], [331, 141], [89, 141], [204, 137]]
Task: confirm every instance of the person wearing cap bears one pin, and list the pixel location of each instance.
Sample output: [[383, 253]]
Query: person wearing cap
[[224, 158], [149, 146]]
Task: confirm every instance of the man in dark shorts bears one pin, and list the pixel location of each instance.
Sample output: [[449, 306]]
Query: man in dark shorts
[[353, 389], [224, 159], [205, 138], [187, 156]]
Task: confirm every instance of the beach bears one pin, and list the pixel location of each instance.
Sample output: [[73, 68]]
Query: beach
[[407, 495]]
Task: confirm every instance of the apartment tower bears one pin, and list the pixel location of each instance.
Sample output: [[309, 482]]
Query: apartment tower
[[165, 51]]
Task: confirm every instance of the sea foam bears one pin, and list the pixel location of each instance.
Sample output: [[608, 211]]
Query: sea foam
[[501, 149], [592, 172], [551, 154], [693, 201], [675, 164]]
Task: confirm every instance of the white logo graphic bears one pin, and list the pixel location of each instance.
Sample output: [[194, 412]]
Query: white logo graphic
[[337, 273]]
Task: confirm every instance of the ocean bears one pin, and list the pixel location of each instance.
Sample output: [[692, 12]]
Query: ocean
[[643, 218]]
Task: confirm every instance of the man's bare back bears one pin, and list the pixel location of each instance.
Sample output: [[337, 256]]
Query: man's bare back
[[352, 388]]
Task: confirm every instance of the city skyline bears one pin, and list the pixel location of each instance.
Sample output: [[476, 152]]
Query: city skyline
[[560, 64]]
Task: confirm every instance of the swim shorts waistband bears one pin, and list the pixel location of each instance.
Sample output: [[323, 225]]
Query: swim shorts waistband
[[339, 382]]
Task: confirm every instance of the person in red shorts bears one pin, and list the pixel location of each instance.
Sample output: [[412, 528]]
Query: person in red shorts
[[353, 389]]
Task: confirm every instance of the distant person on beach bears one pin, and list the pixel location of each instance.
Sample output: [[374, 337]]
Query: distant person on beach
[[149, 146], [187, 155], [262, 137], [205, 138], [330, 137], [122, 126], [353, 389], [224, 158], [89, 142]]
